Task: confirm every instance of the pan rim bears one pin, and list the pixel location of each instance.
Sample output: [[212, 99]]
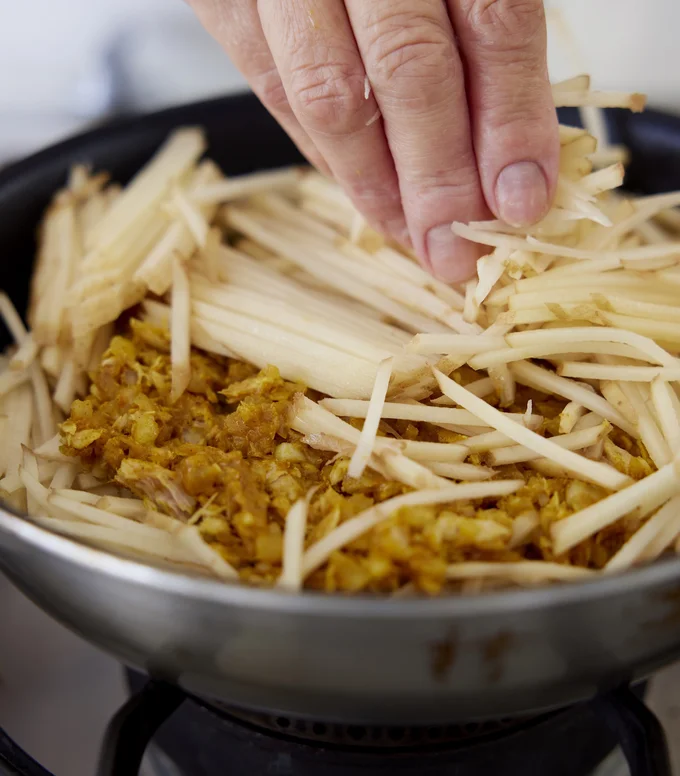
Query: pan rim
[[659, 573], [306, 602], [118, 126]]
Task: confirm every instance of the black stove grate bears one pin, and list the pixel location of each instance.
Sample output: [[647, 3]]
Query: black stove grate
[[15, 762], [569, 742], [208, 739]]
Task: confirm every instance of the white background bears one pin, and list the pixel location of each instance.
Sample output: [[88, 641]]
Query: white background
[[50, 51]]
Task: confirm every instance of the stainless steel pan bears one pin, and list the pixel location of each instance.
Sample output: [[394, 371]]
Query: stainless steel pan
[[347, 659]]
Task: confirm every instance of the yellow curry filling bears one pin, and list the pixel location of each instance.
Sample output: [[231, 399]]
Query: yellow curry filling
[[225, 458]]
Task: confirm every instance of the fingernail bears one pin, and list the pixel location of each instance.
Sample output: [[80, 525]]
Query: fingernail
[[450, 258], [522, 194]]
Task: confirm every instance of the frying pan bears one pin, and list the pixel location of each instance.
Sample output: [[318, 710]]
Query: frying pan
[[353, 660]]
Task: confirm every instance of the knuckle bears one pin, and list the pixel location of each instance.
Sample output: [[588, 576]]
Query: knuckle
[[380, 200], [426, 205], [328, 94], [505, 24], [453, 172], [500, 100], [406, 49], [525, 115], [270, 90], [526, 134]]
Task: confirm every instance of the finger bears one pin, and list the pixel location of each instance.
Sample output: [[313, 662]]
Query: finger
[[514, 122], [236, 26], [409, 52], [323, 76]]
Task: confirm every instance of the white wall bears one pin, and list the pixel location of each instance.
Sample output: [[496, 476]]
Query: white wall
[[46, 44], [48, 50], [631, 45], [51, 58]]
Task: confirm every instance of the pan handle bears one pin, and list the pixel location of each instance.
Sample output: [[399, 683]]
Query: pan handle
[[133, 726], [638, 731]]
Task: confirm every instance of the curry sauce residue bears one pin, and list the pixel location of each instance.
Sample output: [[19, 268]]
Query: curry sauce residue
[[225, 457]]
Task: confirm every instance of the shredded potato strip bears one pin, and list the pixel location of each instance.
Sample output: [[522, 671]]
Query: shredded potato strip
[[666, 535], [294, 545], [92, 514], [388, 294], [570, 416], [641, 541], [64, 476], [369, 432], [323, 430], [26, 355], [543, 380], [575, 98], [202, 552], [17, 433], [357, 526], [50, 451], [228, 305], [246, 186], [645, 495], [149, 186], [592, 471], [576, 440], [523, 572], [649, 431], [321, 367], [26, 368], [357, 408], [576, 335], [466, 344], [163, 546], [11, 380], [627, 373], [180, 330], [461, 471], [667, 408], [537, 246]]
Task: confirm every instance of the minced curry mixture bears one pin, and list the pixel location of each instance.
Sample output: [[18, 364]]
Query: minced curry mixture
[[224, 457]]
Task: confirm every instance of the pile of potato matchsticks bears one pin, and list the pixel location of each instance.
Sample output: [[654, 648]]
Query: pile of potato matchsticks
[[279, 268]]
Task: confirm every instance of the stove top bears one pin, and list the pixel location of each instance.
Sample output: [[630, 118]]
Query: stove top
[[192, 737]]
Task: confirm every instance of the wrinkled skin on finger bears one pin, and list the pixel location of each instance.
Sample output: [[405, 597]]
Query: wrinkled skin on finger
[[458, 122]]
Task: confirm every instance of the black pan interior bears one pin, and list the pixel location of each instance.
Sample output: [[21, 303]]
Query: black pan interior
[[243, 138]]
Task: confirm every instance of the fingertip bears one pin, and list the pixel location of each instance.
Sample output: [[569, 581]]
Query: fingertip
[[450, 258]]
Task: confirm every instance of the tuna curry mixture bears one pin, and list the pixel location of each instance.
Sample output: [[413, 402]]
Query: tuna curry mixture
[[225, 458]]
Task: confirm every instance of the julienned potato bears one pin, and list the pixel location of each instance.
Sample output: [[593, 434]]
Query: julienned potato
[[518, 430]]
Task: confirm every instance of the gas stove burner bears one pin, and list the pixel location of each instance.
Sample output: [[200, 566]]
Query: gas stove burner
[[373, 736], [200, 737], [156, 763], [187, 736]]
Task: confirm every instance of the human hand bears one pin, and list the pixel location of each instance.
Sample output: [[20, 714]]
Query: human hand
[[459, 119]]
